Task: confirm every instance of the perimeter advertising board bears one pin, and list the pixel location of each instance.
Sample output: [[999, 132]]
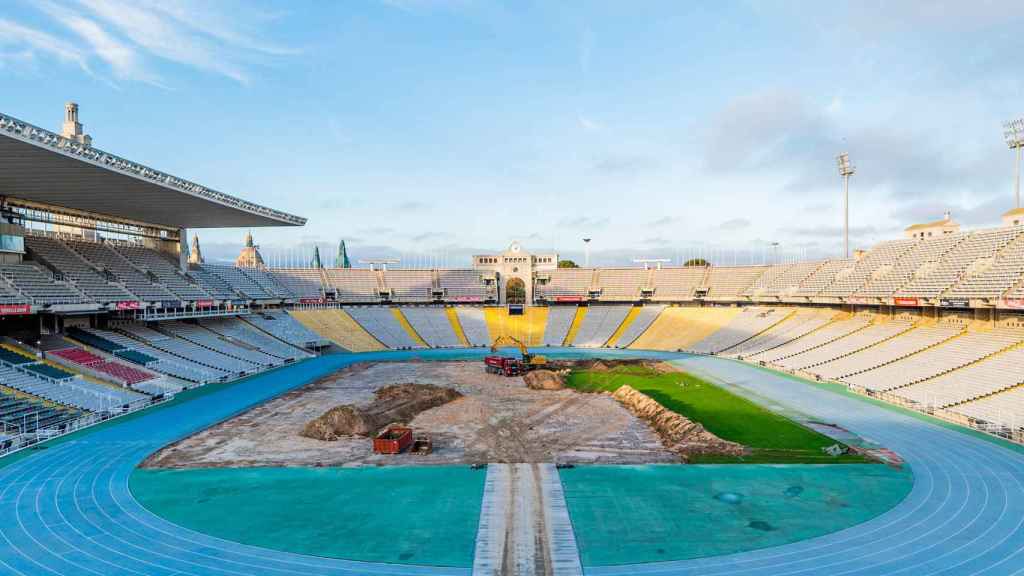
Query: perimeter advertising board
[[955, 303], [568, 298], [15, 309]]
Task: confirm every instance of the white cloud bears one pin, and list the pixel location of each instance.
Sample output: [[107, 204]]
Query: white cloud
[[30, 40], [165, 38], [588, 124], [129, 36], [124, 60]]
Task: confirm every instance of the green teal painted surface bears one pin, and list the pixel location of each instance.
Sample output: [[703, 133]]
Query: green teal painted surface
[[407, 515], [635, 514]]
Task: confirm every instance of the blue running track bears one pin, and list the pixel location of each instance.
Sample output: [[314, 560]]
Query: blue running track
[[67, 509]]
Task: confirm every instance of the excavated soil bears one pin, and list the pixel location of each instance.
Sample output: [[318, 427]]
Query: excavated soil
[[496, 419], [544, 380], [679, 433], [398, 403]]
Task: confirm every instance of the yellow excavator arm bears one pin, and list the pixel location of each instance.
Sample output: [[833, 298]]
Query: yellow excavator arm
[[504, 341]]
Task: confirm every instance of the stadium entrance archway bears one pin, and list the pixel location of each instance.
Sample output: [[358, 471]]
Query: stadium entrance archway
[[515, 291]]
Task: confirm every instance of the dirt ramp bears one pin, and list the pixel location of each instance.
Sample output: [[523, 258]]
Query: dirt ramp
[[677, 432], [394, 403]]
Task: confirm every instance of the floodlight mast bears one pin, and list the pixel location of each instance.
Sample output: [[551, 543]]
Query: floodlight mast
[[846, 170], [586, 252], [1013, 131]]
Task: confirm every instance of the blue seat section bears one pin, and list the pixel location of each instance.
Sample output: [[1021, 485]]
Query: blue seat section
[[135, 356], [50, 371], [13, 357], [94, 340]]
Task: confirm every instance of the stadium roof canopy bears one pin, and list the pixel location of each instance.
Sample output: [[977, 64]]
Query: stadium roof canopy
[[40, 166]]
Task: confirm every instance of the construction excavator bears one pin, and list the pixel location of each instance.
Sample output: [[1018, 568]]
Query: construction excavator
[[510, 366]]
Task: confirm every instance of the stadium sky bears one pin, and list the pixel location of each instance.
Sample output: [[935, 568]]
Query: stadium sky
[[430, 130]]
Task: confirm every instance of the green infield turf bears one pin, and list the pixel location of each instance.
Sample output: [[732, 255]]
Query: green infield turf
[[398, 514], [655, 513], [773, 439]]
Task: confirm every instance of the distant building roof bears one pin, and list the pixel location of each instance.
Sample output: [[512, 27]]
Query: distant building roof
[[947, 221]]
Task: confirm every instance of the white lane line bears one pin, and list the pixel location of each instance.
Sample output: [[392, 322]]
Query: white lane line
[[493, 527], [564, 554]]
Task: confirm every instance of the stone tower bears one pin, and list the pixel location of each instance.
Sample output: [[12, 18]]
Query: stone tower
[[195, 255], [72, 128], [250, 256]]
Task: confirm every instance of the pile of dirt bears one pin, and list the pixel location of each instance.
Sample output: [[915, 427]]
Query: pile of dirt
[[677, 432], [394, 403], [662, 367], [544, 380]]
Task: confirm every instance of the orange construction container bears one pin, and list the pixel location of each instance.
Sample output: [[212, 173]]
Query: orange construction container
[[392, 440]]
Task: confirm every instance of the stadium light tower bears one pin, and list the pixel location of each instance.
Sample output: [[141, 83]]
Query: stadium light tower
[[846, 170], [586, 252], [1014, 133]]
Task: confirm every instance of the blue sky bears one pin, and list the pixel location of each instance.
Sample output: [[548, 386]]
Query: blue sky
[[433, 129]]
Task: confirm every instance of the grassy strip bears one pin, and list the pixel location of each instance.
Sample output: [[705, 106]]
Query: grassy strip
[[772, 438]]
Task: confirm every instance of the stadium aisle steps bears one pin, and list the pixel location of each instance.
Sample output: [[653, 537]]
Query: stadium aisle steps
[[993, 374], [748, 324], [432, 324], [559, 320], [384, 325], [404, 322], [338, 327], [678, 328], [841, 325], [282, 326], [626, 323], [474, 325], [574, 328], [924, 336], [801, 323], [863, 339], [963, 350], [647, 316], [599, 325], [453, 319]]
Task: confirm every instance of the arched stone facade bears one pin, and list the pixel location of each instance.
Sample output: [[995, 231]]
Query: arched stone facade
[[514, 263]]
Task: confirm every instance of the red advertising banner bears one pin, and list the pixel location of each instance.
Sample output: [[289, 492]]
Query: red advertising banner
[[1015, 303], [128, 305], [204, 303], [311, 300], [12, 309], [568, 298], [906, 301], [466, 299]]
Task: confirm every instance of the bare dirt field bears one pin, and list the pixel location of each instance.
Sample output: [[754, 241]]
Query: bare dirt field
[[498, 419]]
